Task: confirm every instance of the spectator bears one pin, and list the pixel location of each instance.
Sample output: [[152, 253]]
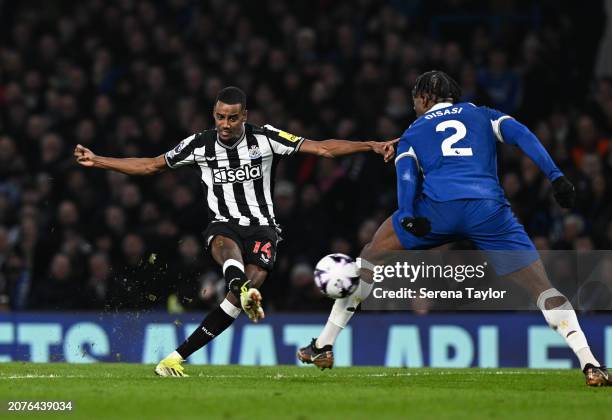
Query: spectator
[[501, 84], [186, 280], [136, 284], [60, 288], [96, 289], [304, 294], [589, 140]]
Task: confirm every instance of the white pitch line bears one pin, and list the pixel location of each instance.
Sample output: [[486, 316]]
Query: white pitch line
[[280, 376]]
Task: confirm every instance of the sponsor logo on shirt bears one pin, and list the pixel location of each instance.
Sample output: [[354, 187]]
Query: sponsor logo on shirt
[[180, 147], [232, 175]]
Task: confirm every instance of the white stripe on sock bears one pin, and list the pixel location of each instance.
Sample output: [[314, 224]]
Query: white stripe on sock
[[230, 309], [233, 262]]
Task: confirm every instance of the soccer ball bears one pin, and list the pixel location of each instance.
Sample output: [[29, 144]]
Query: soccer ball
[[336, 275]]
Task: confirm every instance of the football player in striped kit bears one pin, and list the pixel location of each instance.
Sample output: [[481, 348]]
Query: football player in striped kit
[[236, 162]]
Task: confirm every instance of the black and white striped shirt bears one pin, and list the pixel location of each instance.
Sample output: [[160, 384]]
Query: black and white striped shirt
[[237, 178]]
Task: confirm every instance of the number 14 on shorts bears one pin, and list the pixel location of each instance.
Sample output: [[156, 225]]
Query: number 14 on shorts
[[264, 249]]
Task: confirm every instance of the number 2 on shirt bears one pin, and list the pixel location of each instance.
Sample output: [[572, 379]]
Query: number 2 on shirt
[[447, 144]]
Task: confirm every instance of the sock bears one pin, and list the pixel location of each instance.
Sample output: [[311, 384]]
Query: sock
[[563, 320], [214, 324], [174, 355], [344, 309], [585, 356], [328, 335], [233, 271]]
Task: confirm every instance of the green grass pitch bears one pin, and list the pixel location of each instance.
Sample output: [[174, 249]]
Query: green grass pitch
[[123, 391]]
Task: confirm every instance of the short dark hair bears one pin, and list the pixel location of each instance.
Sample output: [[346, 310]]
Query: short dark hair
[[438, 86], [232, 95]]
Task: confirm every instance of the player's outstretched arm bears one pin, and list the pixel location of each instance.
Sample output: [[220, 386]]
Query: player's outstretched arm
[[333, 148], [513, 132], [129, 166]]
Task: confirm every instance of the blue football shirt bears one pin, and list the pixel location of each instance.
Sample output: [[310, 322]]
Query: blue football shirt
[[454, 146]]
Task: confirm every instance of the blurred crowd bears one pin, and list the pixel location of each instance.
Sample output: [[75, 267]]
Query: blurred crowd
[[132, 78]]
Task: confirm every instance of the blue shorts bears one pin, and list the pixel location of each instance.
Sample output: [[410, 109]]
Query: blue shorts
[[489, 224]]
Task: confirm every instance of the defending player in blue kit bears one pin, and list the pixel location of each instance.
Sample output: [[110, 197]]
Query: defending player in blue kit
[[448, 190]]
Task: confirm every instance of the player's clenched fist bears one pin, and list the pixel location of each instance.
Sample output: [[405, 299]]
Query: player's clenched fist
[[564, 192], [83, 155]]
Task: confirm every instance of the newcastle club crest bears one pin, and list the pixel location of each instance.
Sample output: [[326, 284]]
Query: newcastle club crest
[[254, 152]]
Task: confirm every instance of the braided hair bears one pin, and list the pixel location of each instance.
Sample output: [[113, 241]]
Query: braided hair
[[437, 86]]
